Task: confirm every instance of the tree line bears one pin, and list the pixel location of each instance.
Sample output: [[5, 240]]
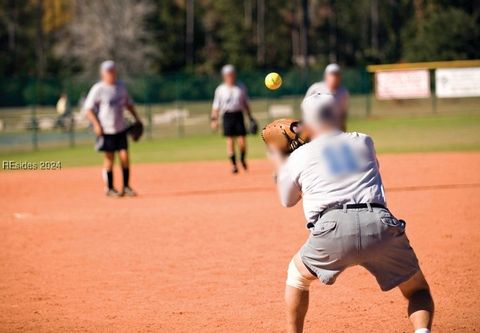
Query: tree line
[[70, 37]]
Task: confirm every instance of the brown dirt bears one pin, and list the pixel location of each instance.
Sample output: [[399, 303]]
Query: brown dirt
[[202, 251]]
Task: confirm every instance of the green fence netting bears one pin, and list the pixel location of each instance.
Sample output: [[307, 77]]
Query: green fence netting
[[24, 91]]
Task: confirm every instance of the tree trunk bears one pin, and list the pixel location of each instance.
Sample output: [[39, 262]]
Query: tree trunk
[[39, 43], [332, 33], [304, 32], [261, 32], [189, 38], [374, 19], [248, 13]]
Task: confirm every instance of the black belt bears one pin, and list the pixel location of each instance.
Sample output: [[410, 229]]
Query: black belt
[[348, 206], [352, 206]]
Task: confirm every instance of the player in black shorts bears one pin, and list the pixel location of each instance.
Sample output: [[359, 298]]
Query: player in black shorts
[[231, 101], [104, 107]]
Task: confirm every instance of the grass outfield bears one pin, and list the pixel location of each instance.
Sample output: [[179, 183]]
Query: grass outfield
[[420, 134]]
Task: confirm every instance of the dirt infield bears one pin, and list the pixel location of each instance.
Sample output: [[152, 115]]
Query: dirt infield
[[204, 251]]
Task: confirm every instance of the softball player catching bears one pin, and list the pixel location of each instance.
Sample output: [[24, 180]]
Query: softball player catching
[[230, 102], [337, 176], [104, 106], [332, 84]]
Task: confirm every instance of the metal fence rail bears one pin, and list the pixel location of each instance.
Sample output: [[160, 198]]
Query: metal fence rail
[[178, 105]]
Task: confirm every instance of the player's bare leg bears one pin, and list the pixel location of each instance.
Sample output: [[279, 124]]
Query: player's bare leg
[[420, 301], [242, 145], [125, 164], [124, 158], [297, 306], [231, 153], [296, 299], [108, 159]]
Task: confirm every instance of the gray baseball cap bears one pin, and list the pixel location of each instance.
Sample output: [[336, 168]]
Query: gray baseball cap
[[228, 69], [332, 69], [107, 65], [318, 109]]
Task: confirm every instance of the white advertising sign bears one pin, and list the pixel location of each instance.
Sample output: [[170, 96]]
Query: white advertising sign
[[402, 84], [457, 82]]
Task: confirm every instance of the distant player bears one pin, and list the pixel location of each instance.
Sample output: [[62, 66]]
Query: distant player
[[337, 176], [104, 106], [332, 84], [230, 102], [64, 118]]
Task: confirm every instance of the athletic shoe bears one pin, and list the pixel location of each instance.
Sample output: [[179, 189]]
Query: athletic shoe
[[111, 192], [129, 192], [244, 165], [234, 169]]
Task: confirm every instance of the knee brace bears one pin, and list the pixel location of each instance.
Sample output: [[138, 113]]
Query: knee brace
[[295, 279]]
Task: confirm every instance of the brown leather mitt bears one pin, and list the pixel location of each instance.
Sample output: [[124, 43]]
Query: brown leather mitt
[[135, 130], [285, 134]]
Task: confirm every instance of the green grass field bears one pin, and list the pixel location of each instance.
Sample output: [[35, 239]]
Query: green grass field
[[459, 132]]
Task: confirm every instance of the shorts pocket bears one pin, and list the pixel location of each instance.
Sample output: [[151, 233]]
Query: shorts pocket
[[393, 223], [323, 228]]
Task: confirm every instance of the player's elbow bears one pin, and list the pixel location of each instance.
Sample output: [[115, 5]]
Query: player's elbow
[[284, 203], [288, 191], [288, 202], [89, 114]]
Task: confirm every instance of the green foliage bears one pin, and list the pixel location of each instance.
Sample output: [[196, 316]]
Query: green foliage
[[17, 37], [447, 34], [168, 24], [169, 87], [352, 33]]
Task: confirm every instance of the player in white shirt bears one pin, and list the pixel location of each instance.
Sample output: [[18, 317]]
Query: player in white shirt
[[332, 84], [230, 102], [337, 176], [104, 106]]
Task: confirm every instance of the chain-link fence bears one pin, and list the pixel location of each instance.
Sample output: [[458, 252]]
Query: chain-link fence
[[176, 104], [170, 105]]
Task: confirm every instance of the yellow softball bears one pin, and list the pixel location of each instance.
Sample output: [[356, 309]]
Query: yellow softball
[[273, 81]]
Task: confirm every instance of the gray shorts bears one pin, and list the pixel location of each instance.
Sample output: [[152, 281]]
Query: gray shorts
[[372, 238]]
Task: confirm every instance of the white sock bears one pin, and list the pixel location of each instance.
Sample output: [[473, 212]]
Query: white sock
[[422, 330]]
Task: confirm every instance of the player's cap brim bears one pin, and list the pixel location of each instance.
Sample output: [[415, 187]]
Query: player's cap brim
[[107, 65]]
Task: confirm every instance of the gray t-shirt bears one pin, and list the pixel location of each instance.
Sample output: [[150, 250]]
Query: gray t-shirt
[[230, 98], [333, 169], [108, 102], [341, 96]]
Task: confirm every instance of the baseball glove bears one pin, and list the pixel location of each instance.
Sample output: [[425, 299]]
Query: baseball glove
[[285, 134], [135, 130]]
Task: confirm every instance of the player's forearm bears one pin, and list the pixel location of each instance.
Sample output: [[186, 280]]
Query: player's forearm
[[214, 114], [248, 110], [92, 118], [97, 127], [133, 112]]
